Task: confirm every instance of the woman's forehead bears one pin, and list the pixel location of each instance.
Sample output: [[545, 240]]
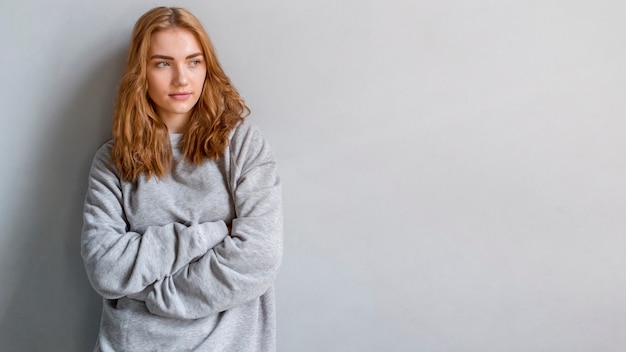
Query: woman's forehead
[[174, 42]]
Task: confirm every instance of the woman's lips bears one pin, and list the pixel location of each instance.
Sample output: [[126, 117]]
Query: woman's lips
[[180, 96]]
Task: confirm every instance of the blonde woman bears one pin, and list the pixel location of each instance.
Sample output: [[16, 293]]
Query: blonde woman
[[182, 231]]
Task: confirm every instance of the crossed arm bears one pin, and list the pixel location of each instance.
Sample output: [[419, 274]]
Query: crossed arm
[[188, 272], [121, 262]]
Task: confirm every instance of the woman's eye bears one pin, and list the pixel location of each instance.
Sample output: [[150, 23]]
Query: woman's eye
[[161, 64], [195, 63]]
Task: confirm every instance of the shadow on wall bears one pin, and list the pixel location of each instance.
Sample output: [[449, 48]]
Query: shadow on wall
[[53, 307]]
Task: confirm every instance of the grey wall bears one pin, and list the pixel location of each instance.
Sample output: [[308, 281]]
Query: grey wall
[[454, 171]]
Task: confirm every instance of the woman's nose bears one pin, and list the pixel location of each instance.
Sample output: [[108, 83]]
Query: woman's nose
[[180, 77]]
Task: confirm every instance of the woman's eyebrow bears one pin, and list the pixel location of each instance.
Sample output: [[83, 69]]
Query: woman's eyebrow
[[161, 57], [164, 57]]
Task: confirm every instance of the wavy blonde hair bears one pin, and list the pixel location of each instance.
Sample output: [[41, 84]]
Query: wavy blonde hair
[[141, 143]]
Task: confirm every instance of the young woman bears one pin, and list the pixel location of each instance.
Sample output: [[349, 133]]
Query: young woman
[[182, 231]]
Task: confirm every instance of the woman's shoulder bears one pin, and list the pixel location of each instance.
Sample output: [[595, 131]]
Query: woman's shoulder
[[247, 141], [102, 158], [244, 127], [246, 134], [104, 151]]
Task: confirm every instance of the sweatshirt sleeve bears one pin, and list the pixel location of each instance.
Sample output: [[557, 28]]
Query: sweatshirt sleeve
[[244, 266], [120, 262]]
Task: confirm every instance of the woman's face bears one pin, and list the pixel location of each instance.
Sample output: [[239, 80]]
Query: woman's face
[[176, 73]]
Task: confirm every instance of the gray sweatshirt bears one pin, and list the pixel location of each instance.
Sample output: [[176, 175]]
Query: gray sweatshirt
[[159, 252]]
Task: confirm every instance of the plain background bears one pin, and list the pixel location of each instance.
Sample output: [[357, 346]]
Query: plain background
[[454, 171]]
